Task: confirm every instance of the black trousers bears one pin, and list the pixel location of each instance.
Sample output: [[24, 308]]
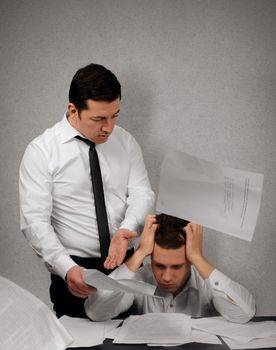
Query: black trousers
[[64, 302]]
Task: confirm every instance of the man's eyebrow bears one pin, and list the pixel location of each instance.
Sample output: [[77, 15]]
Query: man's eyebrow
[[103, 116], [177, 265], [173, 266]]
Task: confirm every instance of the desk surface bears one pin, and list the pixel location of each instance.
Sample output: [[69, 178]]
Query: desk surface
[[108, 345]]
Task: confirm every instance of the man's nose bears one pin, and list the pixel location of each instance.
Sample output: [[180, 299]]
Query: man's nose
[[108, 125], [167, 275]]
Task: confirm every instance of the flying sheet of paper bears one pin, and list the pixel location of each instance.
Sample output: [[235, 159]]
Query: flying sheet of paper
[[27, 323], [87, 333], [243, 333], [269, 342], [155, 328], [99, 280], [221, 198]]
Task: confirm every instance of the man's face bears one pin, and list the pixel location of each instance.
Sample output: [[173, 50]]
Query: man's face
[[170, 268], [96, 122]]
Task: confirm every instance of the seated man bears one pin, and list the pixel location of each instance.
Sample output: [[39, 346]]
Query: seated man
[[185, 281]]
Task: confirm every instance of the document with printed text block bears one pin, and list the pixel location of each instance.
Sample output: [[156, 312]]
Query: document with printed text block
[[221, 198]]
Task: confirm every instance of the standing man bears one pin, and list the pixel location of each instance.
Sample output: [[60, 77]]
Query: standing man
[[69, 219]]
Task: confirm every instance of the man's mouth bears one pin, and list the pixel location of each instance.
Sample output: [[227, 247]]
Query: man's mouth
[[166, 286]]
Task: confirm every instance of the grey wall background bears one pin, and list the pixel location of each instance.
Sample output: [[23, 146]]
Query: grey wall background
[[198, 76]]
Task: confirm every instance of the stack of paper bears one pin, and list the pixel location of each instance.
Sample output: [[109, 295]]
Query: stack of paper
[[157, 328], [27, 323], [87, 333], [251, 335]]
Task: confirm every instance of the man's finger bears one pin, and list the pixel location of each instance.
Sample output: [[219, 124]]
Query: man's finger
[[130, 234], [109, 262]]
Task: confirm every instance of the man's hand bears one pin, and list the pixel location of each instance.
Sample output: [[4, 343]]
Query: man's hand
[[118, 247], [75, 283], [147, 238], [146, 245], [194, 237]]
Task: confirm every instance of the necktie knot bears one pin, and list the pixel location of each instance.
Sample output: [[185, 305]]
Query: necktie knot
[[88, 142]]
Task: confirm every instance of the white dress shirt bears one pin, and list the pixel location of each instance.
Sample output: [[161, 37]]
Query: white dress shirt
[[56, 198], [199, 298]]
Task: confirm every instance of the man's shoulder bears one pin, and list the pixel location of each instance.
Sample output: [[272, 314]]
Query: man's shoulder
[[47, 136], [124, 138], [120, 132]]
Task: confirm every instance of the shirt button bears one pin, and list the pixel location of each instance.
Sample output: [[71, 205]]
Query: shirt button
[[171, 305], [216, 283]]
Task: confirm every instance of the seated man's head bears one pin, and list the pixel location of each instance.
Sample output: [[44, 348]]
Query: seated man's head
[[169, 264]]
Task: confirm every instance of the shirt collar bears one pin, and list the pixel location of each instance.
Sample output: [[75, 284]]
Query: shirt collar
[[67, 132]]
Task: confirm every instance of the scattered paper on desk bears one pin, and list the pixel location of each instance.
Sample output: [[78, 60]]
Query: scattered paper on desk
[[112, 333], [99, 280], [196, 336], [269, 342], [86, 332], [243, 333], [155, 328], [27, 323], [221, 198]]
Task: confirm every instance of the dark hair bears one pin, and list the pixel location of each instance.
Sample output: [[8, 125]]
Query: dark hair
[[169, 233], [93, 82]]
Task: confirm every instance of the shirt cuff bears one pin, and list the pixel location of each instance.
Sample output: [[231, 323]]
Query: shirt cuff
[[130, 224], [219, 281], [62, 265]]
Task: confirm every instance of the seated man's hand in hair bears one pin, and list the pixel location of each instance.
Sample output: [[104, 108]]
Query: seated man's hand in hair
[[147, 237], [146, 244], [194, 238]]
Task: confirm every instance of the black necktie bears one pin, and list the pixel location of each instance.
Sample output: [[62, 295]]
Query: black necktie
[[97, 184]]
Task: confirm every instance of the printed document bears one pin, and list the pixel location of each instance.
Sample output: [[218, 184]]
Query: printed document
[[155, 328], [243, 333], [221, 198], [27, 323], [99, 280], [86, 332], [269, 342]]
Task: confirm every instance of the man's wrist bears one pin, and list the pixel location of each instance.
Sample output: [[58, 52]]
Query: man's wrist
[[203, 266], [141, 254], [136, 260]]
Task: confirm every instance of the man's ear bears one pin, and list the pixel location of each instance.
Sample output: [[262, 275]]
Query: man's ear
[[72, 110]]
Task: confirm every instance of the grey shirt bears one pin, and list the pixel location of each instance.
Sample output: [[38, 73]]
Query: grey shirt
[[217, 295]]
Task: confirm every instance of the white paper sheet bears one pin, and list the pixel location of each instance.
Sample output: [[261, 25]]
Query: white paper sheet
[[221, 198], [26, 323], [243, 333], [86, 332], [155, 328], [196, 336], [269, 342], [99, 280]]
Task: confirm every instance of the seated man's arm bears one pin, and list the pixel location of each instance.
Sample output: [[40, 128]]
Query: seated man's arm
[[105, 305], [230, 299]]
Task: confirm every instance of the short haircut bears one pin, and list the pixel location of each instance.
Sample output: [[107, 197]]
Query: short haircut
[[169, 233], [93, 82]]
